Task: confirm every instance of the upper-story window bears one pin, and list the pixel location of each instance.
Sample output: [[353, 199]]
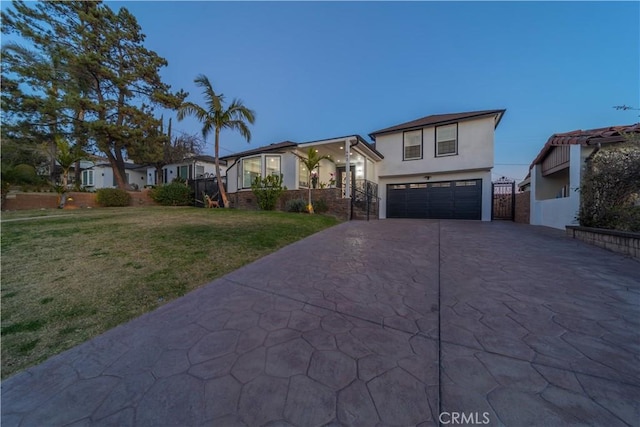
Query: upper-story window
[[447, 140], [412, 147]]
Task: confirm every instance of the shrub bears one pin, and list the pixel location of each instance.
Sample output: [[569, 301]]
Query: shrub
[[21, 174], [174, 194], [296, 205], [112, 197], [320, 206], [267, 191], [610, 191]]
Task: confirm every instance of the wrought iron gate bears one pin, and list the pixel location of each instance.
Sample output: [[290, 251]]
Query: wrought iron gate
[[504, 199]]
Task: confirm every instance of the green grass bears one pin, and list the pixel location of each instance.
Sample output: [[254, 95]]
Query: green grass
[[68, 276]]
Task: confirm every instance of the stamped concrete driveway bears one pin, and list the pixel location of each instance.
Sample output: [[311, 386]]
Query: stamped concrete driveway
[[394, 322]]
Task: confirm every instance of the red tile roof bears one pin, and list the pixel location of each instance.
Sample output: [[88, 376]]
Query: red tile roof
[[439, 119], [585, 137]]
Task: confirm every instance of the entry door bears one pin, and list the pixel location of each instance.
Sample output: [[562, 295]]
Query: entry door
[[341, 171]]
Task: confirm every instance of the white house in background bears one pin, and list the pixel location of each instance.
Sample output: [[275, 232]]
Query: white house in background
[[556, 173], [434, 167], [99, 174], [438, 166], [193, 167]]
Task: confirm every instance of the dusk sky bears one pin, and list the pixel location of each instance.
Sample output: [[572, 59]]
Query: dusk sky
[[316, 70]]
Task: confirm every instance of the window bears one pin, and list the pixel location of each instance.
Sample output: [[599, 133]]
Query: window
[[251, 168], [199, 171], [272, 165], [413, 145], [183, 172], [303, 176], [126, 179], [447, 140], [87, 178]]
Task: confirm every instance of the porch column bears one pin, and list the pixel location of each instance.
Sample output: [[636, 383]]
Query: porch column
[[347, 187]]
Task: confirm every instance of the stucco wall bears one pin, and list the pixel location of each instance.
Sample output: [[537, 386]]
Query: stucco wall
[[559, 212], [475, 150]]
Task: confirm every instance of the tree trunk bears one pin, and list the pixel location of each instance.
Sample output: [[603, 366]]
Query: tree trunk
[[310, 205], [221, 189], [117, 166]]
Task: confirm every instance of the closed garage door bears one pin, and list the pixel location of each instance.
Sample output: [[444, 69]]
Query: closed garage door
[[437, 200]]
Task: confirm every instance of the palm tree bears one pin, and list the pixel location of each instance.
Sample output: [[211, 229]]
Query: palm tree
[[311, 162], [215, 117], [66, 157]]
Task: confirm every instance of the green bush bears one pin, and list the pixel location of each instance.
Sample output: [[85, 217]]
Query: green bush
[[21, 174], [267, 191], [296, 205], [112, 197], [610, 190], [320, 206], [174, 194]]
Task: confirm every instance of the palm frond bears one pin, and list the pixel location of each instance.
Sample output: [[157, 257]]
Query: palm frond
[[191, 109], [213, 100], [238, 111], [241, 127]]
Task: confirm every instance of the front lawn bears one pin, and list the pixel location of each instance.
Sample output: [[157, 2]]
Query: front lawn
[[68, 276]]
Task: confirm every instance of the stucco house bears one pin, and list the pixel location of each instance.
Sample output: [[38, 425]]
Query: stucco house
[[192, 167], [282, 159], [437, 166], [99, 173], [556, 173]]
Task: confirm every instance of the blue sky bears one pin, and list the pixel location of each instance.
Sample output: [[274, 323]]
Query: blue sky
[[315, 70]]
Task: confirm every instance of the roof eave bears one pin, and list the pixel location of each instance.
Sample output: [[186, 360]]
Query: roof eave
[[394, 129]]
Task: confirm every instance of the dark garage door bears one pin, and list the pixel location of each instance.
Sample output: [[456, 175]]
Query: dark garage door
[[437, 200]]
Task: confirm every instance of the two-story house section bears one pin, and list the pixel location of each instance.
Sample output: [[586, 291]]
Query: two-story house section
[[438, 166]]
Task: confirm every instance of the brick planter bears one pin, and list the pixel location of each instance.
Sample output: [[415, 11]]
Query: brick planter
[[75, 200], [622, 242], [338, 207]]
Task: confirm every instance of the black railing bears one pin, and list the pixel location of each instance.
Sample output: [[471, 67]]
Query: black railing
[[206, 185], [364, 196]]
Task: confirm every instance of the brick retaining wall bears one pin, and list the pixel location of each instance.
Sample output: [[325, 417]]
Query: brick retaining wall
[[338, 207], [75, 200], [523, 205], [617, 241]]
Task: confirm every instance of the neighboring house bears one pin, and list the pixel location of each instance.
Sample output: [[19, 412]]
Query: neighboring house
[[282, 159], [193, 167], [434, 167], [556, 173], [438, 166], [101, 175]]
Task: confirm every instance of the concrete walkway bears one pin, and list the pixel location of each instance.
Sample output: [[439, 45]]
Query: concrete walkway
[[393, 322]]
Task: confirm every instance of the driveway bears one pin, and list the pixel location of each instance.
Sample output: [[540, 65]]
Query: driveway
[[391, 322]]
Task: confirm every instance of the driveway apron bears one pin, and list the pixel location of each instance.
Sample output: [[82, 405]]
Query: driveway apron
[[393, 322]]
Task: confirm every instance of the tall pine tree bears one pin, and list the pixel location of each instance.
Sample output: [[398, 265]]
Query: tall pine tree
[[96, 83]]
